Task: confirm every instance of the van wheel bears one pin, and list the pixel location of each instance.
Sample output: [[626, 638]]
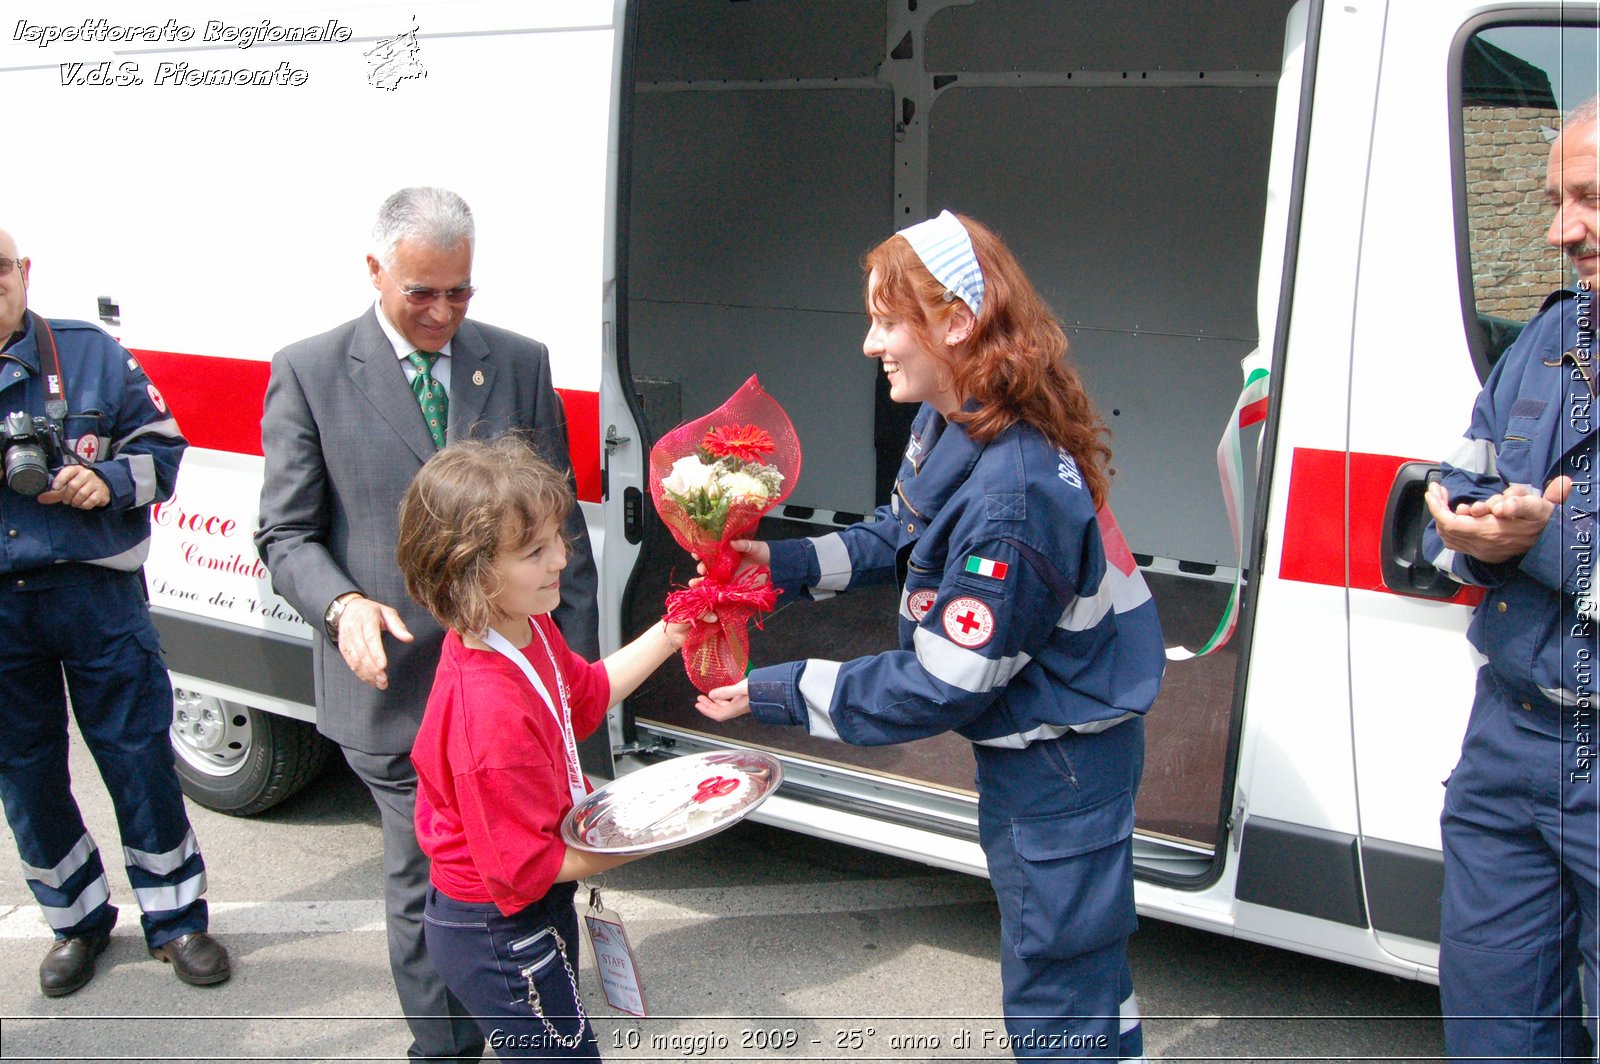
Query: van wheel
[[240, 760]]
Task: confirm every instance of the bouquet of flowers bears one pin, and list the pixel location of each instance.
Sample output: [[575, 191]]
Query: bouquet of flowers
[[712, 479]]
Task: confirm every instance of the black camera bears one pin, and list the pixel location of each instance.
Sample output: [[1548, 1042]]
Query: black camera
[[30, 448]]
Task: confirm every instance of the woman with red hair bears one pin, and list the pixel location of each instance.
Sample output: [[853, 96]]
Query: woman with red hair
[[1025, 625]]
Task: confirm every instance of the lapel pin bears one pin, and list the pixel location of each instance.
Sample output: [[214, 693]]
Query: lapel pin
[[477, 376]]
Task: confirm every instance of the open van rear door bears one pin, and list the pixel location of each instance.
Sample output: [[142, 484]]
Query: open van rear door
[[762, 149]]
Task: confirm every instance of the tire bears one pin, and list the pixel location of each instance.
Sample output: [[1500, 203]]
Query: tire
[[239, 760]]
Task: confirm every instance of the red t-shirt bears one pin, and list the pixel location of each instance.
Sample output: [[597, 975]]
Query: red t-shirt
[[491, 768]]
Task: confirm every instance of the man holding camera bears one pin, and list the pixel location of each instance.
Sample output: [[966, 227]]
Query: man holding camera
[[88, 445]]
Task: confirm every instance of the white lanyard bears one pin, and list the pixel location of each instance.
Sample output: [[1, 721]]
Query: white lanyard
[[563, 718]]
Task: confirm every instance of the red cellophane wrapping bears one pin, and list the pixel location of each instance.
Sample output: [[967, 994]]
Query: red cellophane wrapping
[[712, 479]]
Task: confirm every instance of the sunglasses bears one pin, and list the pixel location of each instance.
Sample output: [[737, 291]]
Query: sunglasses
[[421, 297], [7, 265]]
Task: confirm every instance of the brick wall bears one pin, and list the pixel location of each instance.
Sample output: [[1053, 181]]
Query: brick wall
[[1513, 269]]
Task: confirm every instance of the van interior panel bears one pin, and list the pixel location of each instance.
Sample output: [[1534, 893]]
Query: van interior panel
[[766, 157]]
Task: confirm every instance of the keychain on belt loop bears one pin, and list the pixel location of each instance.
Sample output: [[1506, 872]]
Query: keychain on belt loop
[[613, 956]]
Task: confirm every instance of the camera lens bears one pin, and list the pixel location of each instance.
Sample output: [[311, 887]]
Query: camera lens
[[27, 473]]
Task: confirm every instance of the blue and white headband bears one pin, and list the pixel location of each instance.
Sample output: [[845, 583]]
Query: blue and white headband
[[945, 249]]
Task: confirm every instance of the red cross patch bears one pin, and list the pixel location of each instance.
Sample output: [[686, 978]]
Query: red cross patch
[[155, 397], [918, 603], [968, 622], [87, 448]]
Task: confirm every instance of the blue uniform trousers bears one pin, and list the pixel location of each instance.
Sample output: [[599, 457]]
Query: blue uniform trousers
[[1055, 819], [93, 625], [1520, 862], [517, 975]]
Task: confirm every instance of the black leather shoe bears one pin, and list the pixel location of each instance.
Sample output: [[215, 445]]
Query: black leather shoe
[[197, 958], [70, 964]]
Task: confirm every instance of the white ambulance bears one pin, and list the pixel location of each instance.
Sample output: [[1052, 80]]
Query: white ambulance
[[1301, 229]]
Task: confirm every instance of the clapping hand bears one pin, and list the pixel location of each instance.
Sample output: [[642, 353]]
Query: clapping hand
[[1501, 527]]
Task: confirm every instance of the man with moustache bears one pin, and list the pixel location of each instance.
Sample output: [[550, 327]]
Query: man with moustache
[[72, 605], [1514, 514], [350, 417]]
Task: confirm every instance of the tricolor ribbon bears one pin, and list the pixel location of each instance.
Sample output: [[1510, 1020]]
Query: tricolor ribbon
[[1251, 409]]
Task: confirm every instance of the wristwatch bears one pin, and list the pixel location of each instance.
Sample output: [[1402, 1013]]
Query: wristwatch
[[330, 616]]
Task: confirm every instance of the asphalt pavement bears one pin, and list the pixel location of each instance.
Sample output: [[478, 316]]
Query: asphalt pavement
[[755, 945]]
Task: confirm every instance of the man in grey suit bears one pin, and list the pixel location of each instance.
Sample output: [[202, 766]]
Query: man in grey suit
[[346, 427]]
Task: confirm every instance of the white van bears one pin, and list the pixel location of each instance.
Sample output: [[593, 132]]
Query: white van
[[674, 194]]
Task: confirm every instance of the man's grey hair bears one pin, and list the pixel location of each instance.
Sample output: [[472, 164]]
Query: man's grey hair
[[1586, 113], [433, 217]]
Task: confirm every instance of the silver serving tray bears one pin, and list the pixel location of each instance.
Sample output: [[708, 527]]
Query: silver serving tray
[[648, 810]]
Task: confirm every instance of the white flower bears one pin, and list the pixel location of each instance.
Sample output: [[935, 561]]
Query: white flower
[[741, 485], [688, 475]]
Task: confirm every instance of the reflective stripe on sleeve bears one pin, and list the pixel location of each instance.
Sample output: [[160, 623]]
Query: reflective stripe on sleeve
[[816, 687], [142, 468], [963, 668], [1475, 456], [1128, 590], [166, 428], [1086, 612], [833, 563], [1118, 591]]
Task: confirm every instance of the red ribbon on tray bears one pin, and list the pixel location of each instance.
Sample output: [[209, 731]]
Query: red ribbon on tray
[[712, 479]]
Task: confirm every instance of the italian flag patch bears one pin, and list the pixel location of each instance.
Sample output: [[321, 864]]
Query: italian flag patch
[[986, 567]]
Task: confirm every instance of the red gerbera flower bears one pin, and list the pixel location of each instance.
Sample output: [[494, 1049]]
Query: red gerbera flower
[[747, 443]]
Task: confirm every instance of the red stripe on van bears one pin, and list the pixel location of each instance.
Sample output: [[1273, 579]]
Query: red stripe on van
[[218, 405], [1313, 535], [217, 401], [583, 440]]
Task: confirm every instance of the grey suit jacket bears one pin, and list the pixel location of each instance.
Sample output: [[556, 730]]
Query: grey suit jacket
[[343, 436]]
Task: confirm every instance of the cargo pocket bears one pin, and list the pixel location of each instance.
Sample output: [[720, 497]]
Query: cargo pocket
[[1065, 881]]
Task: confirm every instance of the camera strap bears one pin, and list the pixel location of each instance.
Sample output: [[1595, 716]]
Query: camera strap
[[55, 388]]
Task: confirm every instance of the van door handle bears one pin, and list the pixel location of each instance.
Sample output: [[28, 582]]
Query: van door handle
[[610, 445], [1404, 568]]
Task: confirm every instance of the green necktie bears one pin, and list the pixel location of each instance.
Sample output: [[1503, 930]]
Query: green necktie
[[430, 395]]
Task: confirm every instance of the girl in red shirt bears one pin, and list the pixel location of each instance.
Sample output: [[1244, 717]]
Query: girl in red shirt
[[496, 757]]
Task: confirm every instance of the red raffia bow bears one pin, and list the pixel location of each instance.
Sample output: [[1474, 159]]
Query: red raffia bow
[[743, 599], [712, 479]]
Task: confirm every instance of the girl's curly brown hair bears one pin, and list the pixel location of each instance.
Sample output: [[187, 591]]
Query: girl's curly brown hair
[[468, 503]]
